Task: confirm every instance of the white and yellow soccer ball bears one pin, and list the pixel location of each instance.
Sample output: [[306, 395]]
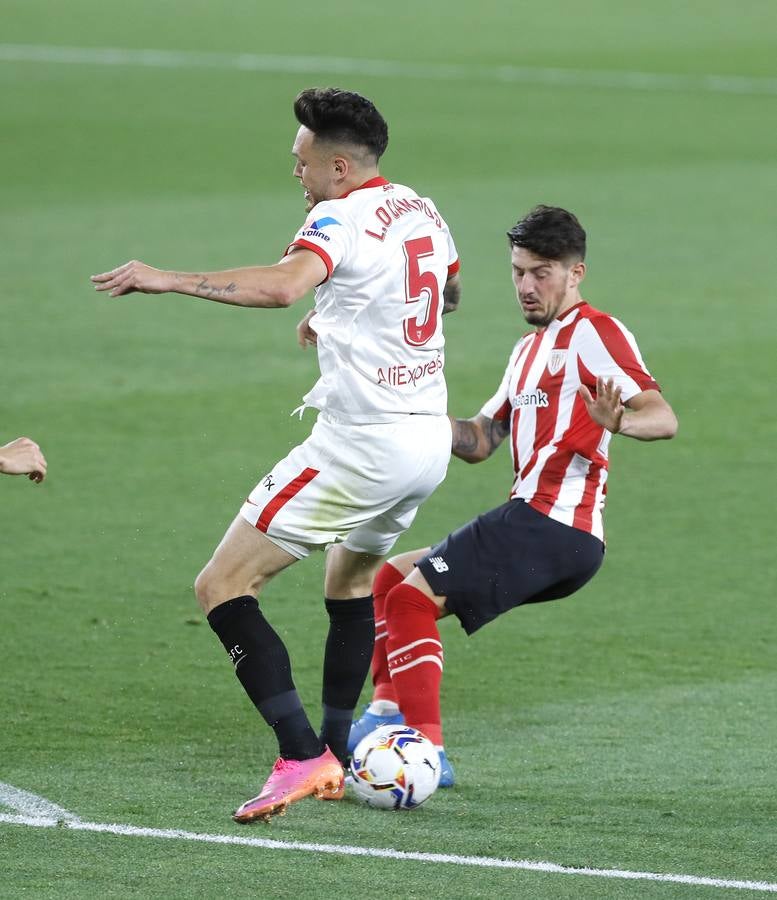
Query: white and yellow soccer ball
[[395, 767]]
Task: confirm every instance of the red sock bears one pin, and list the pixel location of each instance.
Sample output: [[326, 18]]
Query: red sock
[[387, 578], [415, 657]]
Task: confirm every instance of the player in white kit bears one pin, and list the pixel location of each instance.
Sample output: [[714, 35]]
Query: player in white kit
[[384, 269]]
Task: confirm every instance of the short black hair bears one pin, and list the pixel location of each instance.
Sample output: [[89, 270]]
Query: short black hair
[[342, 116], [550, 232]]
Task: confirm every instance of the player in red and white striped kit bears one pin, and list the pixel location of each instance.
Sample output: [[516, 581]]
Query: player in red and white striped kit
[[569, 386]]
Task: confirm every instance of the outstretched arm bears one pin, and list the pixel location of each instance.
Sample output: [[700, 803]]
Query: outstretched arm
[[259, 286], [646, 416], [476, 439], [23, 457]]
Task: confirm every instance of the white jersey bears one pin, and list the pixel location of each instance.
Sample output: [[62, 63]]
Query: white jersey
[[388, 254]]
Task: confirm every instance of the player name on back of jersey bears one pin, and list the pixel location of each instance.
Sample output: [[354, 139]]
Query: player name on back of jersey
[[394, 208]]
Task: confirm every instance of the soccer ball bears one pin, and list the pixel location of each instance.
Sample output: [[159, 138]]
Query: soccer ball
[[395, 767]]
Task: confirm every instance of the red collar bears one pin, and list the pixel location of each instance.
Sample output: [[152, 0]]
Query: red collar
[[566, 312], [581, 303], [377, 181]]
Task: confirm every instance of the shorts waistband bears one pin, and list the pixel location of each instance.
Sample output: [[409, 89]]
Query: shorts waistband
[[384, 419]]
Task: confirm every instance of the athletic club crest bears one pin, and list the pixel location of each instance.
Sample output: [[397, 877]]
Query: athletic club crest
[[557, 361]]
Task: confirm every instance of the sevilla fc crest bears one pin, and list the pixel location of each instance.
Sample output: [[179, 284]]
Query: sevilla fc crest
[[557, 361]]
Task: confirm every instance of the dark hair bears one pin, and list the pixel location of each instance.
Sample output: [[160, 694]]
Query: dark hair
[[342, 116], [549, 232]]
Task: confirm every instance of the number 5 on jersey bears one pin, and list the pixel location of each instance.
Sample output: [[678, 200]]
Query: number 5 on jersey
[[420, 286]]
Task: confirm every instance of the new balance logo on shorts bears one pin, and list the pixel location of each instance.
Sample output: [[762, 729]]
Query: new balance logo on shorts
[[438, 564]]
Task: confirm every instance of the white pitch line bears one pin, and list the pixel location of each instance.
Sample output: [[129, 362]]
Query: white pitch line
[[385, 68], [32, 805], [386, 853]]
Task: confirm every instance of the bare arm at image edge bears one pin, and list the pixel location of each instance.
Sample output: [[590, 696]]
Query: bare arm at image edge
[[23, 457]]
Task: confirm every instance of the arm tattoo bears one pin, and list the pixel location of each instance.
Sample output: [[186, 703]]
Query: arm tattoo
[[210, 290], [465, 437], [497, 431], [451, 294], [476, 439]]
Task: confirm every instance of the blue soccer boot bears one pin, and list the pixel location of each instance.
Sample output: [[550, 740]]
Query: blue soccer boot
[[447, 777], [368, 723]]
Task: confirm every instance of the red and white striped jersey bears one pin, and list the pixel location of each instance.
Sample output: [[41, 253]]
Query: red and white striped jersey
[[559, 452]]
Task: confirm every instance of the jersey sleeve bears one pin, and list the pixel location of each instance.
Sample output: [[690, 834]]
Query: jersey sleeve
[[453, 257], [609, 350], [327, 233], [499, 406]]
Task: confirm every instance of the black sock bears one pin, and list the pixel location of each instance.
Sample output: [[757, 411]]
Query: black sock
[[346, 664], [262, 664]]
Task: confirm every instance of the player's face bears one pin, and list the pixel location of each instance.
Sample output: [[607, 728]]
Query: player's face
[[314, 168], [545, 288]]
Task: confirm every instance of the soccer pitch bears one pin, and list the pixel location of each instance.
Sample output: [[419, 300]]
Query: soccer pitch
[[620, 743]]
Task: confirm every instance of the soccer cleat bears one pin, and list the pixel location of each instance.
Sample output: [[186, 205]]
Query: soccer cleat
[[368, 723], [291, 780], [447, 778]]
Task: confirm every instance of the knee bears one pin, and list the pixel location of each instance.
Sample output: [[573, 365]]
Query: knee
[[407, 599], [213, 587], [206, 590], [395, 600]]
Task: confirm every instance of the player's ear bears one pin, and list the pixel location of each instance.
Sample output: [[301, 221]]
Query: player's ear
[[340, 166], [577, 273]]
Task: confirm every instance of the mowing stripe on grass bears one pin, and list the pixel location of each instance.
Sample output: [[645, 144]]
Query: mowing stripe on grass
[[386, 68], [385, 853]]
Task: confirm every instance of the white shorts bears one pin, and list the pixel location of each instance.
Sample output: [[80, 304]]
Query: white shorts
[[360, 485]]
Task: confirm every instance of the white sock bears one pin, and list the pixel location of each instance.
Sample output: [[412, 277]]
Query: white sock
[[383, 708]]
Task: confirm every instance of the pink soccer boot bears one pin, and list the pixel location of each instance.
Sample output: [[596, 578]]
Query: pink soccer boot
[[291, 780]]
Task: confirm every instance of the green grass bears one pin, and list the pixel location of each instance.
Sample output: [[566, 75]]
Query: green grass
[[629, 727]]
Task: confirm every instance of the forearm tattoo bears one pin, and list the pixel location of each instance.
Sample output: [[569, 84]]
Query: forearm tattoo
[[465, 437], [497, 431], [451, 295], [478, 437], [210, 290]]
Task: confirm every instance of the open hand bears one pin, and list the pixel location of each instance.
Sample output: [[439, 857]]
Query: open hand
[[132, 276], [606, 410]]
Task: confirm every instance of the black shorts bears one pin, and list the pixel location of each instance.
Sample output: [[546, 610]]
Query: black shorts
[[509, 556]]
